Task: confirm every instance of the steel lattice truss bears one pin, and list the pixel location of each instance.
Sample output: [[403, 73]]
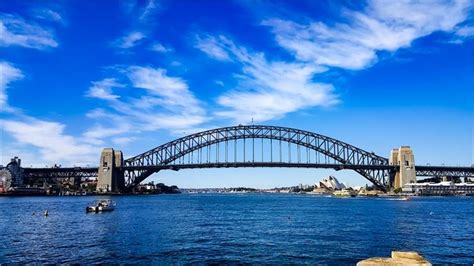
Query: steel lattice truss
[[67, 172], [229, 141], [440, 171]]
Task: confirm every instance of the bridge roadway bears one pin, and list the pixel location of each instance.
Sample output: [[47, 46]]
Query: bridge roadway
[[72, 172]]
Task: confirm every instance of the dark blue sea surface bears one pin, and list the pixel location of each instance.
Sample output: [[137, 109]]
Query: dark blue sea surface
[[235, 228]]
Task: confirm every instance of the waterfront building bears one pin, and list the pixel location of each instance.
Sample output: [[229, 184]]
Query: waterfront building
[[303, 187], [439, 189]]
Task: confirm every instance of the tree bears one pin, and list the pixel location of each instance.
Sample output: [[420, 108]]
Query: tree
[[397, 190]]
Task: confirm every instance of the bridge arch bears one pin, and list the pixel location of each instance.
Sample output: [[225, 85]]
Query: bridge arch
[[139, 167]]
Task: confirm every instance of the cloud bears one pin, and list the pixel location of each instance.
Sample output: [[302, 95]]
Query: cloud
[[151, 6], [98, 133], [8, 74], [270, 89], [465, 31], [110, 125], [168, 102], [130, 40], [381, 26], [158, 47], [172, 91], [160, 101], [140, 9], [122, 140], [16, 31], [103, 89], [212, 47], [49, 138], [48, 14]]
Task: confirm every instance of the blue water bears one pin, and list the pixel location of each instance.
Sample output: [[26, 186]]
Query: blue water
[[235, 228]]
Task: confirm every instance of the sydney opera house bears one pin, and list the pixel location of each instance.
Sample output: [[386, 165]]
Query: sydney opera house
[[330, 183]]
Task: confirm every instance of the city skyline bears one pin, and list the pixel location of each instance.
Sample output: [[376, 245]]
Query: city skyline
[[134, 75]]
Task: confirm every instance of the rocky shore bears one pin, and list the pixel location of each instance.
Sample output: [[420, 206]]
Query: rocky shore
[[398, 258]]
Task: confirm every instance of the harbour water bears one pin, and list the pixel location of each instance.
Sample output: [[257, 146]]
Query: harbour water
[[235, 228]]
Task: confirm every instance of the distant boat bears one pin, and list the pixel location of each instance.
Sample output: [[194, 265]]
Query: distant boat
[[344, 193], [101, 206], [395, 198]]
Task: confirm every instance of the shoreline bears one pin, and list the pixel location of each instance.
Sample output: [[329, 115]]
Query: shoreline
[[233, 193]]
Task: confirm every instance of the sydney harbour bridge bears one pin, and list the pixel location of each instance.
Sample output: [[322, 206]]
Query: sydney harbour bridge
[[251, 146]]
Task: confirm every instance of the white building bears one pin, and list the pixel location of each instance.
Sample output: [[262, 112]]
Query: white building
[[442, 188], [330, 183]]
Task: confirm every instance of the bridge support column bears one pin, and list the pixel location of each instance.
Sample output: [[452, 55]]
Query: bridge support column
[[405, 160], [111, 178]]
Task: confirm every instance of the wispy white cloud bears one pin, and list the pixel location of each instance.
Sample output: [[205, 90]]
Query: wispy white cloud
[[168, 104], [172, 91], [176, 63], [103, 89], [269, 89], [212, 47], [47, 139], [48, 14], [130, 40], [149, 8], [98, 133], [382, 25], [8, 74], [158, 47], [160, 102], [142, 10], [53, 144], [141, 17], [122, 140], [15, 31], [28, 156], [465, 31], [109, 125]]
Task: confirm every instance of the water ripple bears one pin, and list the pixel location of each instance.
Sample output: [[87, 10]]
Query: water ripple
[[234, 229]]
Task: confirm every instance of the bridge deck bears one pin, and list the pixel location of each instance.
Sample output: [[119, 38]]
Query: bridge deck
[[68, 172], [257, 165]]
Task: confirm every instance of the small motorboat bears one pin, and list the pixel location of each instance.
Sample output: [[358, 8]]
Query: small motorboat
[[101, 206]]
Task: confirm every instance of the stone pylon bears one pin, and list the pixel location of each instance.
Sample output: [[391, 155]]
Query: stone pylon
[[110, 177], [405, 160]]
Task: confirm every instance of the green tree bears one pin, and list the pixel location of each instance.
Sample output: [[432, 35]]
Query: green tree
[[397, 190]]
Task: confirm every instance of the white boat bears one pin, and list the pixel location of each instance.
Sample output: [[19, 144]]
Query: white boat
[[344, 193], [395, 198], [101, 206]]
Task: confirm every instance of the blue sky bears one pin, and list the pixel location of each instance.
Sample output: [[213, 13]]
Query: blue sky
[[77, 76]]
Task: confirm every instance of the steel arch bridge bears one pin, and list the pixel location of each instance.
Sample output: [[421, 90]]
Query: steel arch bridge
[[257, 146], [240, 146]]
